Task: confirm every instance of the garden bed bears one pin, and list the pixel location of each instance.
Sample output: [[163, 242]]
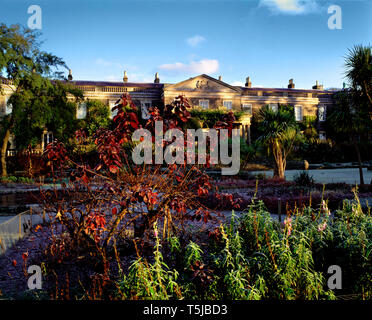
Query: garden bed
[[288, 194], [251, 257]]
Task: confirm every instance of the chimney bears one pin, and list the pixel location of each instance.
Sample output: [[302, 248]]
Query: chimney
[[291, 85], [248, 82], [318, 86], [125, 78], [157, 80], [69, 75], [220, 78]]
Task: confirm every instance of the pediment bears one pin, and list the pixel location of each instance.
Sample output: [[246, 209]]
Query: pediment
[[202, 83]]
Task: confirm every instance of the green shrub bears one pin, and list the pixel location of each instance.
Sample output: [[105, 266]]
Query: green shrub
[[13, 179], [193, 254], [208, 118], [304, 179], [255, 257], [150, 280]]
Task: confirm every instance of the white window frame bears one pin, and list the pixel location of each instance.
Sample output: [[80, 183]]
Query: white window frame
[[112, 103], [12, 141], [247, 106], [204, 104], [273, 107], [324, 113], [298, 107], [145, 104], [227, 102], [81, 110], [8, 108], [49, 138]]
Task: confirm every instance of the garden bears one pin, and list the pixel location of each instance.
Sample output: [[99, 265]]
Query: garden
[[110, 228], [117, 230]]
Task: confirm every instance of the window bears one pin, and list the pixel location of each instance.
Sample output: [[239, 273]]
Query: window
[[8, 107], [145, 106], [47, 138], [298, 113], [12, 142], [111, 105], [81, 111], [204, 104], [322, 113], [273, 107], [247, 108], [227, 104], [322, 135]]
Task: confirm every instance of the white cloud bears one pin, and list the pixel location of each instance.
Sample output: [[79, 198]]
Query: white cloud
[[195, 40], [202, 66], [291, 6]]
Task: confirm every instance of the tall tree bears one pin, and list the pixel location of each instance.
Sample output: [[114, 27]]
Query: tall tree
[[38, 96], [98, 116], [279, 132], [348, 117], [358, 64]]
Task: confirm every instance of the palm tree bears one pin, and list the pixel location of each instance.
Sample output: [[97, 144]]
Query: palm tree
[[347, 117], [359, 71], [278, 131]]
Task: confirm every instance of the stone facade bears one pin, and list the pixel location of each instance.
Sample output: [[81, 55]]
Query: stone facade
[[203, 92], [220, 95], [217, 93]]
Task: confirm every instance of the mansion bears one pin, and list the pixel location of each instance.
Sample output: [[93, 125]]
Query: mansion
[[203, 92]]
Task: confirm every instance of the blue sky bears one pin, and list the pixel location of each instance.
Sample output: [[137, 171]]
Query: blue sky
[[269, 40]]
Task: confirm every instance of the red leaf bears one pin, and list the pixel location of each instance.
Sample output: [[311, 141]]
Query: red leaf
[[24, 255], [113, 169], [114, 211], [85, 178]]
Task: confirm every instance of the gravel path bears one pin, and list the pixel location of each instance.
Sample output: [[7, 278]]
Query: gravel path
[[348, 175], [13, 278]]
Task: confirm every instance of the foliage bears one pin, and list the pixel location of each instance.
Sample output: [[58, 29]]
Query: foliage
[[131, 197], [35, 111], [37, 102], [14, 179], [347, 123], [254, 257], [150, 281], [279, 132], [98, 116], [21, 55], [349, 119], [359, 73], [193, 254], [308, 127], [250, 257], [209, 118], [303, 179], [82, 143]]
